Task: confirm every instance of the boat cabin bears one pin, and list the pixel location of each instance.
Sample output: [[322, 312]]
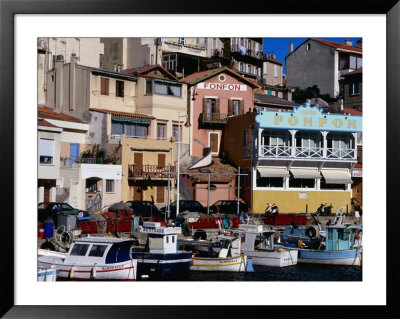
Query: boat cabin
[[230, 247], [255, 238], [96, 250], [342, 237], [161, 240]]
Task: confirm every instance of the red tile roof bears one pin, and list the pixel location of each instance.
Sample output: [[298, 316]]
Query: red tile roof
[[42, 122], [338, 45], [46, 113], [351, 111], [134, 115], [217, 166], [204, 75], [145, 69]]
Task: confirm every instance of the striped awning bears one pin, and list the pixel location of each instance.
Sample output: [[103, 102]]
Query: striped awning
[[273, 171], [306, 173], [136, 120], [336, 176]]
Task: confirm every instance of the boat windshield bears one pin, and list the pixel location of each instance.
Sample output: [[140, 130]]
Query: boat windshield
[[79, 249], [97, 250]]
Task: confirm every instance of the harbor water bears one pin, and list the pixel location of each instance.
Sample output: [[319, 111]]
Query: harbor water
[[299, 272]]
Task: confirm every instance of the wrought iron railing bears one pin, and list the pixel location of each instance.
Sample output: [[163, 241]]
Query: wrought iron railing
[[213, 118], [69, 161], [246, 51], [139, 170]]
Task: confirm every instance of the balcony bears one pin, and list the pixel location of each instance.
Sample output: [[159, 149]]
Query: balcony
[[210, 119], [145, 171], [308, 153], [252, 53]]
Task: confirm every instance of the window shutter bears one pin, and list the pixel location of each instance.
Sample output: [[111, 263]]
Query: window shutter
[[217, 106], [241, 107], [204, 105], [122, 88], [230, 107]]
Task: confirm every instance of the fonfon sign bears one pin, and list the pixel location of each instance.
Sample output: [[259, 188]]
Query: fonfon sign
[[309, 118]]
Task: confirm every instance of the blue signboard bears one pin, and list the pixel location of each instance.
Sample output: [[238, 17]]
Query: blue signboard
[[308, 117]]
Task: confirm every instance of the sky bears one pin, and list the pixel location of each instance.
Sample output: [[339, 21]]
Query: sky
[[280, 46]]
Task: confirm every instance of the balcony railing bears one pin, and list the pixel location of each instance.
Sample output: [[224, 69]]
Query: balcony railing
[[213, 118], [306, 152], [249, 52], [341, 153], [139, 170], [69, 161]]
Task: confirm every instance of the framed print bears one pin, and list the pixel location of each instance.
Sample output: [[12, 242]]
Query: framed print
[[22, 23]]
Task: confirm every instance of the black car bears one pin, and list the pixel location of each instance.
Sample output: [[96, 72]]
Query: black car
[[228, 207], [144, 208], [49, 211], [189, 205]]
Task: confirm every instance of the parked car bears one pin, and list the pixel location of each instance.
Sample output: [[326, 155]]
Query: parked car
[[50, 210], [228, 207], [184, 205], [144, 208]]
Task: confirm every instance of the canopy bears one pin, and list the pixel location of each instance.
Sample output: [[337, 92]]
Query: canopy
[[336, 176], [307, 173], [273, 171]]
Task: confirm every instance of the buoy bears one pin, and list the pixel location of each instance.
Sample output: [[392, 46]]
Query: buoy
[[94, 273], [72, 272]]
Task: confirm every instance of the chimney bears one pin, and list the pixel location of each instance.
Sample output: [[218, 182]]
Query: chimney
[[348, 42], [72, 66], [58, 92], [359, 44], [290, 47]]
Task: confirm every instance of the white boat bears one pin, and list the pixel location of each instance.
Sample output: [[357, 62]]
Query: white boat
[[47, 274], [229, 258], [259, 244], [93, 258]]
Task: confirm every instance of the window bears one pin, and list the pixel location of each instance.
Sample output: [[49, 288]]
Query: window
[[79, 249], [275, 71], [235, 107], [214, 141], [129, 129], [308, 46], [97, 250], [169, 61], [105, 83], [343, 62], [161, 131], [46, 151], [301, 182], [117, 67], [110, 185], [269, 181], [354, 88], [91, 185], [175, 131], [275, 138], [163, 87], [324, 185], [181, 40], [211, 106], [119, 88]]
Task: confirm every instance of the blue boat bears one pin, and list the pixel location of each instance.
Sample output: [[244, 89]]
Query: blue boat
[[159, 258], [342, 246]]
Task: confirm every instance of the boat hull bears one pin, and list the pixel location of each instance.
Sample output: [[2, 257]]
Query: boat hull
[[274, 258], [125, 271], [334, 257], [47, 274], [237, 264], [172, 266]]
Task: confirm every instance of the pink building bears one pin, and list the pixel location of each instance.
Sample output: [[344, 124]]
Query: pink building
[[216, 95]]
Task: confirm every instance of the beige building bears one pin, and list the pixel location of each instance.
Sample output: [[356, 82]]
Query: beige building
[[48, 160], [86, 50]]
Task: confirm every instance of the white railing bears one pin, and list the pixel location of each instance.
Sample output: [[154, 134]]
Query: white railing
[[275, 151], [306, 152], [341, 153], [309, 152]]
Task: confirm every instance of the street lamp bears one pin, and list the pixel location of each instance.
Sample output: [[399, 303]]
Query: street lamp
[[187, 124]]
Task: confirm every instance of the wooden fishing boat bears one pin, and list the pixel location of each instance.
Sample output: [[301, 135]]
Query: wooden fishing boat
[[93, 258]]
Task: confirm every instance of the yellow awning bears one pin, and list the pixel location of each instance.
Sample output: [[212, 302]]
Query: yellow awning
[[273, 171], [336, 176], [307, 173]]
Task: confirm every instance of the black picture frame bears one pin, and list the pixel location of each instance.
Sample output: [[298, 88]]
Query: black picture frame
[[8, 10]]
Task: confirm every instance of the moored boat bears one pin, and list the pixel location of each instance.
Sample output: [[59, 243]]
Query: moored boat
[[160, 258], [228, 257], [47, 274], [93, 258], [259, 244]]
